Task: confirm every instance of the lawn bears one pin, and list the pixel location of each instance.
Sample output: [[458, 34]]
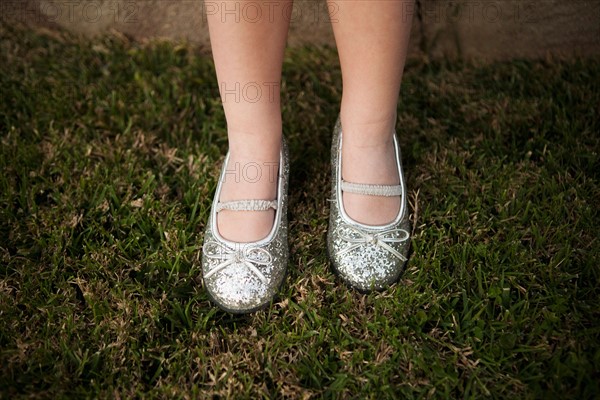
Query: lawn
[[110, 152]]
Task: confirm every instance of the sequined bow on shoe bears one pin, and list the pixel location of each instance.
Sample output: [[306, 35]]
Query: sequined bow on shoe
[[248, 257], [357, 238]]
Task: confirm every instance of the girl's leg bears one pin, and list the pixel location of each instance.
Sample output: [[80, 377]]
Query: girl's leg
[[372, 40], [248, 40]]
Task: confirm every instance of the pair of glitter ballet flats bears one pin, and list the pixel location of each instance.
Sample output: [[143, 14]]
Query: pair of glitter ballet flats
[[244, 277]]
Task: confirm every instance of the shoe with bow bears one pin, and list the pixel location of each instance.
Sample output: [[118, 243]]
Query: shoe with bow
[[366, 257], [245, 277]]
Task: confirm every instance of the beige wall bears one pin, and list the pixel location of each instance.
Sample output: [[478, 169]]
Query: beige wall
[[470, 28]]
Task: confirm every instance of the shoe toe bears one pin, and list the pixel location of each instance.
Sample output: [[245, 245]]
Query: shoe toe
[[236, 289], [368, 268]]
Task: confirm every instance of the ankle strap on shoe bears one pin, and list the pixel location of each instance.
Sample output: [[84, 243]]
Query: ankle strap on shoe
[[247, 205], [371, 190]]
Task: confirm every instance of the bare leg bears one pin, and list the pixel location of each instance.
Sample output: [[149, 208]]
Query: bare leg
[[248, 40], [372, 40]]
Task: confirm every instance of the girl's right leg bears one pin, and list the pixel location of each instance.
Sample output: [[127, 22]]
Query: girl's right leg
[[248, 41]]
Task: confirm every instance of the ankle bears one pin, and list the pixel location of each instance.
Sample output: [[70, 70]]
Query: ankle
[[251, 147], [371, 132]]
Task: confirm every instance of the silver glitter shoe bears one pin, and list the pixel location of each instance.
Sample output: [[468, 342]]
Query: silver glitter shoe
[[244, 277], [366, 257]]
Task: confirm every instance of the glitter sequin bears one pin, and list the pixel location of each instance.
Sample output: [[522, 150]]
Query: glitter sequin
[[366, 257]]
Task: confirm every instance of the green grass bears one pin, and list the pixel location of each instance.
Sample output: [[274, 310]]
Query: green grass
[[109, 156]]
